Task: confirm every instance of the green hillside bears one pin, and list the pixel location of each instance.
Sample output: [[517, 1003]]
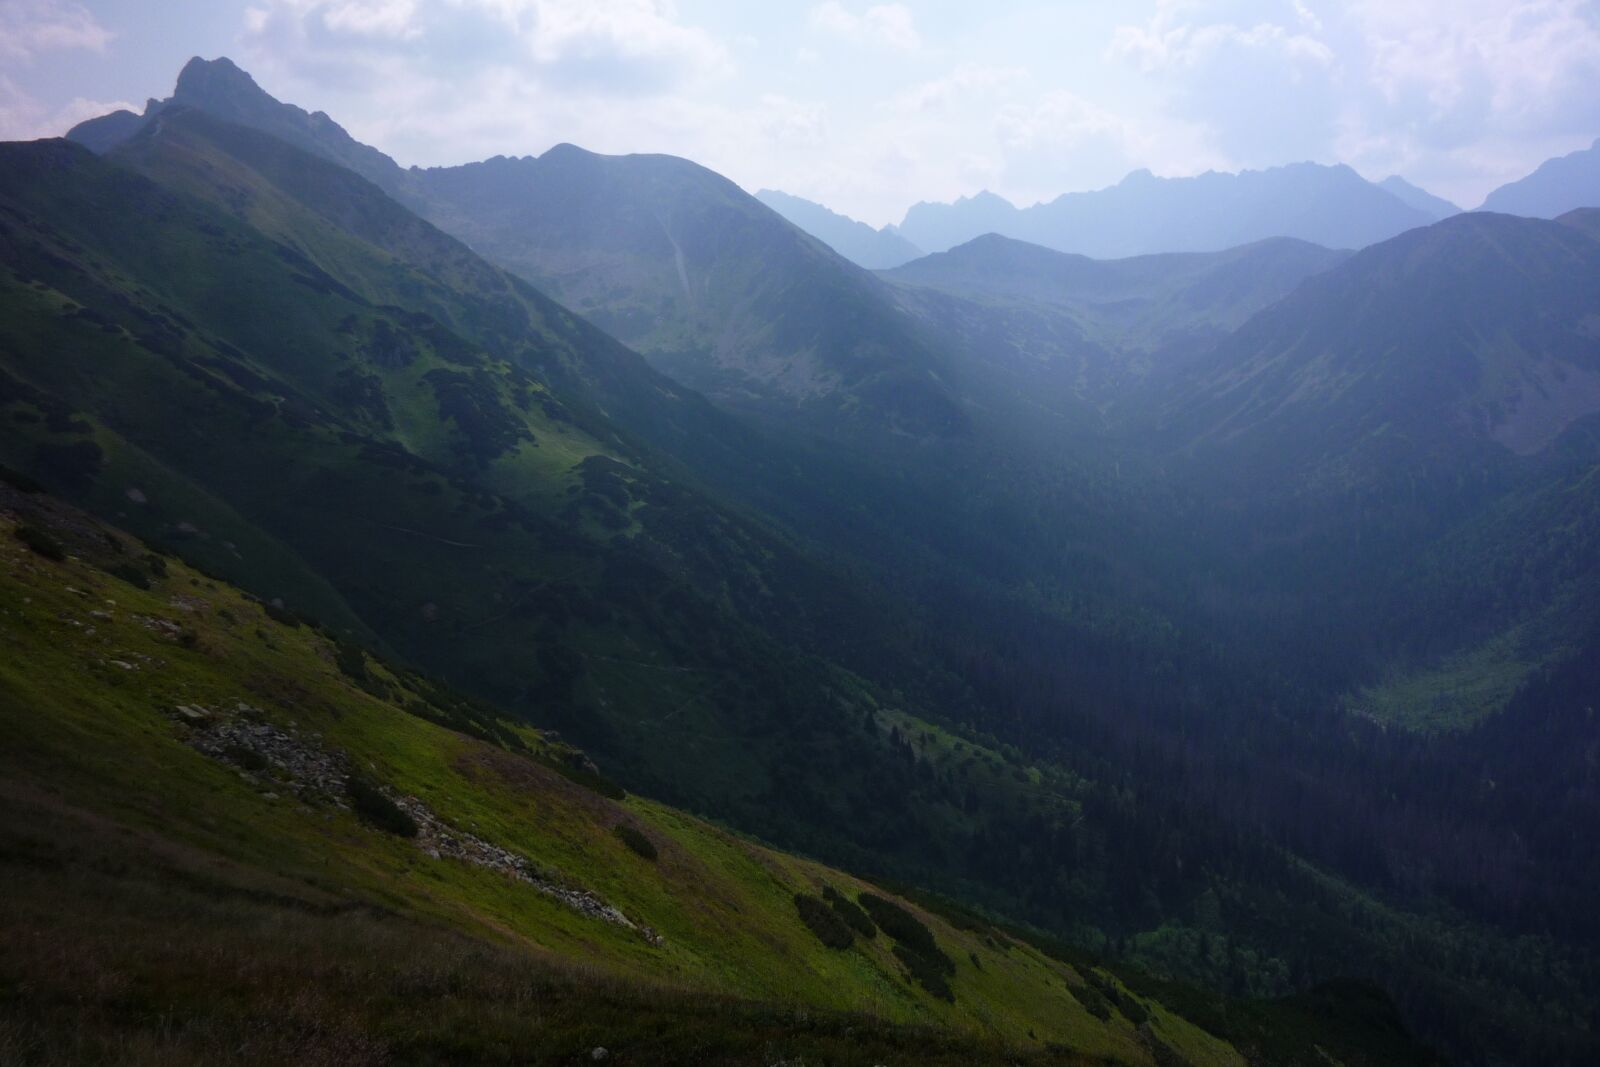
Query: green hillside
[[178, 768]]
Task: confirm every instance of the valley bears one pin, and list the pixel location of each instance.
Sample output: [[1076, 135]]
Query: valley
[[1200, 641]]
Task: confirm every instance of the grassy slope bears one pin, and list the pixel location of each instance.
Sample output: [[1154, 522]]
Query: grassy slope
[[262, 884]]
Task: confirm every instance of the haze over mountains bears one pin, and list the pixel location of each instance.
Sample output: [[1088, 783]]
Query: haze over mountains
[[1331, 206], [1557, 187], [1228, 603], [855, 241], [1142, 215]]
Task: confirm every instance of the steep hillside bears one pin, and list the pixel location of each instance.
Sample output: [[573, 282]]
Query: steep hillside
[[1557, 187], [224, 389], [252, 839], [377, 470], [1475, 332], [1330, 206], [717, 289], [855, 241], [1420, 418], [392, 257]]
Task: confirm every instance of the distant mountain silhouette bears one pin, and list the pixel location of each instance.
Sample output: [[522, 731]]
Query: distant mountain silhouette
[[935, 227], [104, 133], [1331, 206], [1557, 187], [1258, 274], [855, 241], [1419, 198], [1075, 335]]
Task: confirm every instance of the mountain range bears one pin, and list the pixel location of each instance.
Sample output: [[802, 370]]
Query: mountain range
[[855, 241], [1557, 187], [1419, 198], [1227, 610], [1144, 214]]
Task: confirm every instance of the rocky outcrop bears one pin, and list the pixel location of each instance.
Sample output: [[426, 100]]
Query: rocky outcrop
[[242, 738]]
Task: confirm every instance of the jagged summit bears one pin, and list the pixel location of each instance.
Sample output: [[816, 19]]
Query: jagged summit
[[213, 77], [221, 88]]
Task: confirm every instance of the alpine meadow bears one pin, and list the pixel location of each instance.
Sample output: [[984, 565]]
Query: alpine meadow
[[1038, 534]]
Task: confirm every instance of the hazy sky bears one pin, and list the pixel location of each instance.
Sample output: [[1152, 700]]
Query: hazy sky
[[870, 106]]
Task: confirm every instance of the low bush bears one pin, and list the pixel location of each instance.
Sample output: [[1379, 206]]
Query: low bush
[[352, 662], [852, 915], [281, 615], [635, 840], [131, 573], [369, 802], [1125, 1002], [19, 481], [823, 921], [41, 543], [588, 779], [927, 971], [903, 926], [1093, 1001]]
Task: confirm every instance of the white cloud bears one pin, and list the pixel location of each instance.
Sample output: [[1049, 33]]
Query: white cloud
[[1168, 40], [1265, 79], [782, 121], [31, 27], [1308, 18], [890, 25], [962, 84], [630, 30], [1458, 95], [377, 18], [620, 47], [1535, 64], [23, 118], [459, 80], [1060, 117]]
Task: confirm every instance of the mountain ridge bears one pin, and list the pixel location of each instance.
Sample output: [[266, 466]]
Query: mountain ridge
[[1419, 198], [1556, 187], [1143, 214], [719, 336], [856, 241]]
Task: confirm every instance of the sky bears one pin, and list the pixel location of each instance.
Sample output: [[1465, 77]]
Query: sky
[[869, 107]]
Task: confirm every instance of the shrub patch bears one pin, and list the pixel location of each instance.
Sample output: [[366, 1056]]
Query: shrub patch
[[823, 921]]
